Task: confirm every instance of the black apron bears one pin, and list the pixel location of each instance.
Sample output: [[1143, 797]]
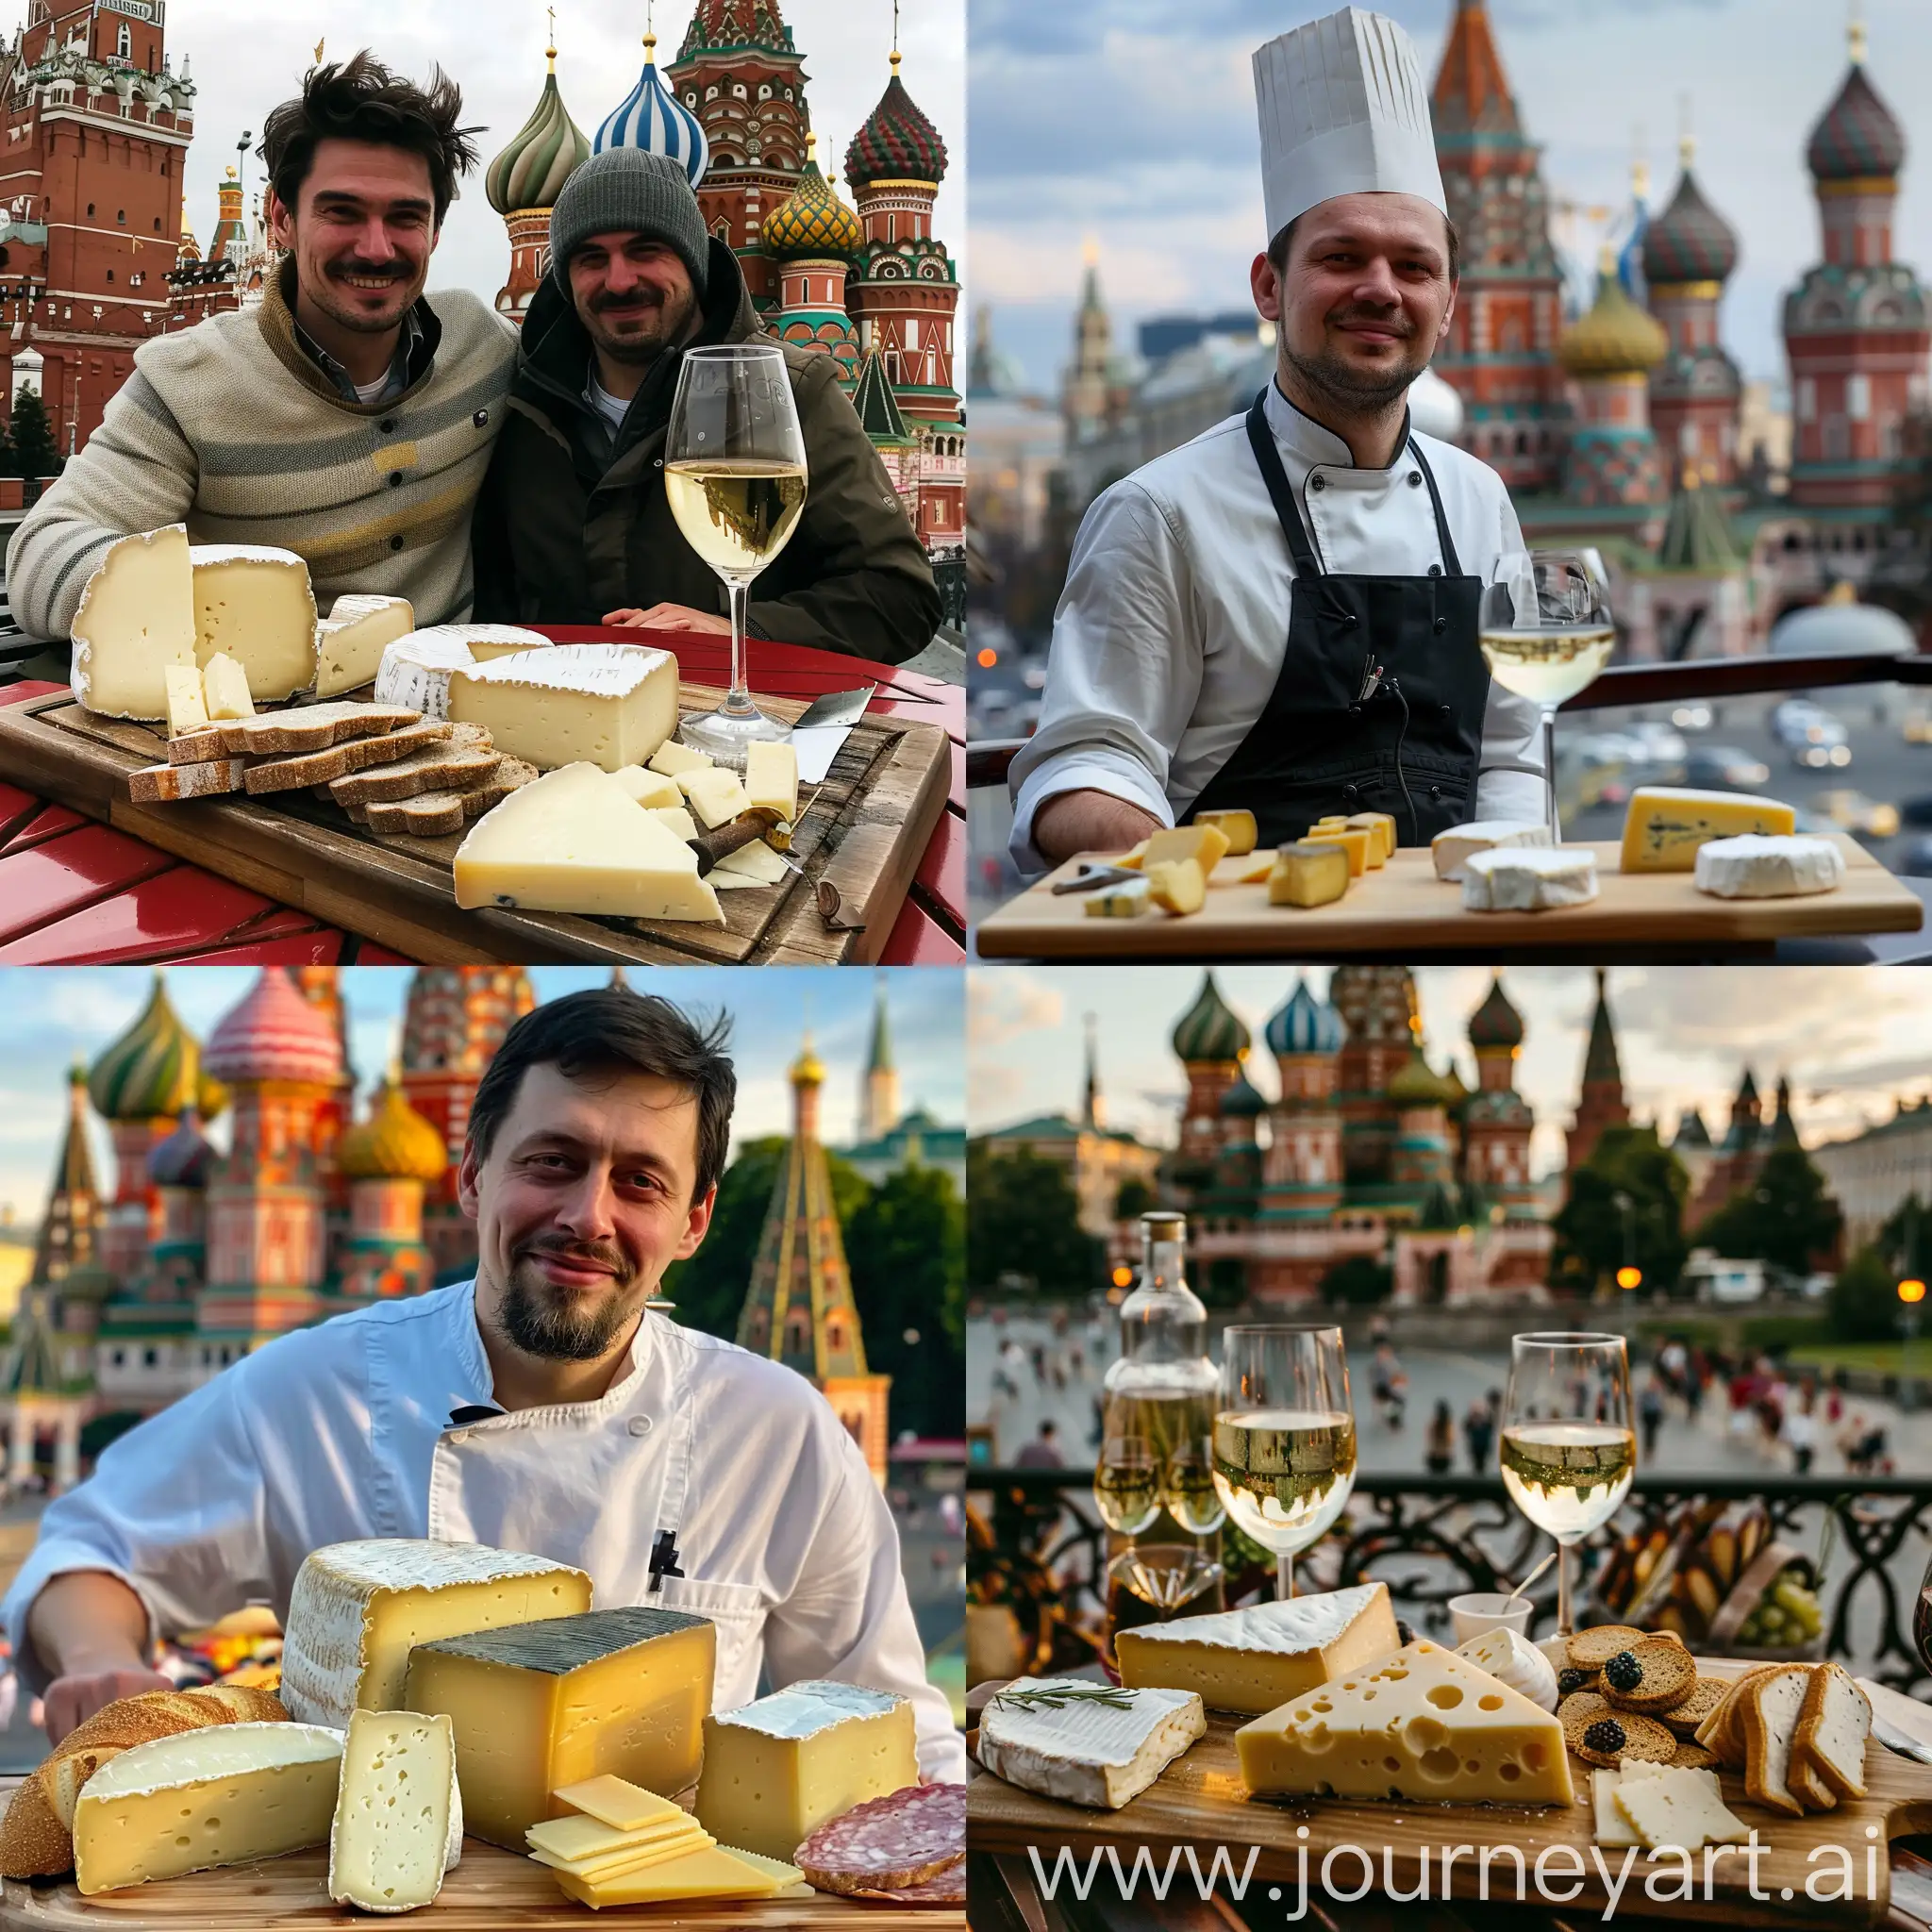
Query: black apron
[[1380, 700]]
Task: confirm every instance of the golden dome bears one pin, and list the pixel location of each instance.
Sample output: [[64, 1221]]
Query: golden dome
[[1616, 338], [811, 221], [395, 1143], [808, 1070]]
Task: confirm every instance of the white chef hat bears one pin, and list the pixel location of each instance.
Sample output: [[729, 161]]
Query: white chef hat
[[1343, 112]]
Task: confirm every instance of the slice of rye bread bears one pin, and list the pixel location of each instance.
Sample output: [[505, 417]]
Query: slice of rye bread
[[1668, 1676], [308, 727], [1770, 1709], [1707, 1694], [433, 814], [453, 764], [1832, 1729], [352, 755], [169, 784], [1591, 1650]]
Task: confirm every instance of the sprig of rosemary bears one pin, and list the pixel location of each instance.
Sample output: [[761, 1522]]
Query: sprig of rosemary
[[1057, 1696]]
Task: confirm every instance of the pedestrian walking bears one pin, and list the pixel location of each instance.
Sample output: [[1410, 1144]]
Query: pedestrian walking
[[1439, 1448], [1480, 1435], [1650, 1414]]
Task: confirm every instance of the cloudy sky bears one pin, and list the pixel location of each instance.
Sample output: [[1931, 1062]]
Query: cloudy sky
[[246, 58], [1134, 120], [1685, 1035], [49, 1016]]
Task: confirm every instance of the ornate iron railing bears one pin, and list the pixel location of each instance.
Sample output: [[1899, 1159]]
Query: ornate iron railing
[[1034, 1544]]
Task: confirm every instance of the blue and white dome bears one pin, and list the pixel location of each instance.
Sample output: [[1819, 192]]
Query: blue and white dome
[[653, 119], [1304, 1025]]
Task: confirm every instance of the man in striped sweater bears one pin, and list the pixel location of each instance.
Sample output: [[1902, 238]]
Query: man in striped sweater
[[348, 418]]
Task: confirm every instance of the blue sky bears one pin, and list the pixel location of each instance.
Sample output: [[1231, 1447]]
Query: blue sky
[[49, 1015], [1135, 122]]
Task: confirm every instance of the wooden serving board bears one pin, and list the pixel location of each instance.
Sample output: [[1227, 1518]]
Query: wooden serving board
[[491, 1891], [1405, 908], [866, 829]]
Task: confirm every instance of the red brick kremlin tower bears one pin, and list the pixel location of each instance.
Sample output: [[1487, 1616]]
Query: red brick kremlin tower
[[1601, 1104], [1858, 326], [1496, 1120], [1381, 1026], [96, 133]]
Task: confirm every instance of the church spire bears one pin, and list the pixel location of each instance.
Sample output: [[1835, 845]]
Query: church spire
[[881, 1109], [74, 1205], [1092, 1107], [1600, 1067]]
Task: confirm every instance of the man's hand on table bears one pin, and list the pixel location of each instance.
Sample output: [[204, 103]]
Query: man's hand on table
[[88, 1630], [1088, 822], [670, 617], [75, 1698]]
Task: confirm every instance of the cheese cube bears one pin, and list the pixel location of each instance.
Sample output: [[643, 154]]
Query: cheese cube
[[714, 1873], [1118, 902], [1453, 850], [136, 618], [1383, 824], [571, 841], [224, 687], [1206, 845], [1237, 827], [1424, 1725], [1664, 827], [1254, 1660], [1528, 878], [774, 1770], [252, 604], [1083, 1751], [1175, 886], [716, 795], [612, 704], [358, 1608], [1310, 872], [225, 1795], [771, 777], [350, 640], [618, 1692], [650, 790], [398, 1819], [674, 760], [186, 708], [1354, 840]]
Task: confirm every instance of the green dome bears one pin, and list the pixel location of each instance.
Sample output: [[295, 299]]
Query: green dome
[[1417, 1085], [1210, 1029], [153, 1072], [546, 151], [811, 221]]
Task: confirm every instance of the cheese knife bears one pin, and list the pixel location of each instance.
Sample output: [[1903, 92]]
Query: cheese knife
[[823, 728]]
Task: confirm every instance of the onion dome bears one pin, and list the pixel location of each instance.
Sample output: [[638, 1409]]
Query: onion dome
[[155, 1069], [811, 221], [808, 1070], [182, 1159], [1304, 1025], [1858, 137], [546, 150], [394, 1144], [896, 143], [1690, 241], [1616, 338], [275, 1034], [653, 119], [1242, 1100], [1842, 626], [1495, 1023], [1210, 1029], [1435, 408], [1419, 1085]]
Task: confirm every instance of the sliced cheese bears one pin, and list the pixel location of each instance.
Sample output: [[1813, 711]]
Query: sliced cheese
[[1611, 1828], [577, 1840], [1206, 845], [1665, 825], [225, 1795], [1683, 1807], [1757, 867], [1528, 878], [614, 1803], [716, 795], [136, 618], [771, 777], [186, 705], [398, 1823], [350, 640], [1424, 1725], [225, 688], [571, 841], [757, 861], [658, 1849], [673, 759], [358, 1608], [714, 1873], [1084, 1751], [1452, 850], [650, 790], [776, 1770], [1255, 1658], [1311, 872], [416, 668], [252, 604], [618, 1692], [612, 704], [1238, 828]]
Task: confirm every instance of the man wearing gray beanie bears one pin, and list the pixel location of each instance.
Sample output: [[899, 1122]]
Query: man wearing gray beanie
[[574, 527]]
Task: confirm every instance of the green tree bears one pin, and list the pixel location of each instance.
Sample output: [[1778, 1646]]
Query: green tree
[[907, 1246], [1596, 1234], [1863, 1304], [1785, 1215], [1022, 1218], [1360, 1281], [1135, 1199], [32, 438], [1227, 1285], [1904, 1241]]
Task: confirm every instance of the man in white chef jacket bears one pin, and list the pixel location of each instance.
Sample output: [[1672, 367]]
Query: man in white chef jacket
[[1281, 614], [541, 1408]]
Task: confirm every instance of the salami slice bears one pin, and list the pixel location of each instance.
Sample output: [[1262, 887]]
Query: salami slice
[[888, 1843], [948, 1888]]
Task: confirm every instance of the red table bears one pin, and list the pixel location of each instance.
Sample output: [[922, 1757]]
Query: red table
[[75, 892]]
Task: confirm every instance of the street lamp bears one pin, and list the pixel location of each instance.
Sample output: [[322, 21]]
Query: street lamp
[[1629, 1277], [1911, 1291], [1626, 1208]]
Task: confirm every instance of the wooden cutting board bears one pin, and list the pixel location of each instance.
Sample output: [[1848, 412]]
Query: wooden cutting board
[[866, 829], [1404, 908]]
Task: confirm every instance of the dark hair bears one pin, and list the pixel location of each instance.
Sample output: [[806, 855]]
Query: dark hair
[[359, 99], [1278, 249], [611, 1029]]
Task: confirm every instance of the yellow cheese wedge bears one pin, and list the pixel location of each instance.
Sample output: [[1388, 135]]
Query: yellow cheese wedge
[[771, 777], [1310, 872], [1256, 872], [1354, 840], [714, 1873], [1206, 845], [1238, 828], [186, 709], [673, 759], [1383, 824], [652, 790], [1134, 858], [224, 687], [1175, 886], [615, 1802], [1664, 826]]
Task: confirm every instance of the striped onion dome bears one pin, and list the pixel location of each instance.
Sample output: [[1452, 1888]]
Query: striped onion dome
[[155, 1070], [1616, 338], [1304, 1025], [1690, 241], [1495, 1023], [1210, 1029], [275, 1034], [896, 143], [811, 221], [651, 117], [394, 1144], [1419, 1085], [546, 150], [1858, 137], [182, 1159]]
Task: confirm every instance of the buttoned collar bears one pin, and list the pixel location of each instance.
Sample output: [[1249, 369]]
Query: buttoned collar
[[1307, 443], [468, 1345]]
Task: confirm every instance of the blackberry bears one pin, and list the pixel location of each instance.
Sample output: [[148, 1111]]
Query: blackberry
[[1623, 1672], [1567, 1681], [1606, 1735]]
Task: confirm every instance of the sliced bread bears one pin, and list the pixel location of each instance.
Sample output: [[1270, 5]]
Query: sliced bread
[[1832, 1728], [1769, 1710]]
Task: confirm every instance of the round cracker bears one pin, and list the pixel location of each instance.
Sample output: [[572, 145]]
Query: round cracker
[[1669, 1675], [1591, 1650]]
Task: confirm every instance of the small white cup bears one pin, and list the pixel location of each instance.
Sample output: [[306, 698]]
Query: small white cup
[[1479, 1610]]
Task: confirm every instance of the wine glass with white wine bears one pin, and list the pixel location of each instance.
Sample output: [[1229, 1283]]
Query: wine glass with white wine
[[1546, 631], [1126, 1484], [735, 477], [1568, 1450], [1284, 1437]]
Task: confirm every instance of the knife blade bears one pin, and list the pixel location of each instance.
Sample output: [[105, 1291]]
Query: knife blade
[[823, 728]]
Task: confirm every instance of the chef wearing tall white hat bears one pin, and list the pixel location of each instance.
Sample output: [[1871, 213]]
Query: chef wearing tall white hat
[[1281, 614]]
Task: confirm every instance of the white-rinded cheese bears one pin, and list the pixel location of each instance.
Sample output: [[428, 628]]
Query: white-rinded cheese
[[357, 1607], [1516, 1661], [1682, 1808], [771, 777], [136, 618], [572, 841], [1665, 824], [716, 795], [612, 704], [757, 862], [1084, 1751], [253, 604], [1255, 1658], [416, 668], [223, 1795], [652, 790], [187, 705], [673, 759], [1423, 1724], [398, 1823], [1528, 878], [350, 640], [1755, 866], [224, 687], [1452, 850]]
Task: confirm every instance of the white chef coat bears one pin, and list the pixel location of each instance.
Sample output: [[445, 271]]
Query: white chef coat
[[1171, 631], [342, 1431]]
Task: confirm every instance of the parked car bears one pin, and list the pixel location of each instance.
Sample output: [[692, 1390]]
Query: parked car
[[1913, 859], [1693, 717], [1815, 738], [1852, 811], [1724, 768]]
